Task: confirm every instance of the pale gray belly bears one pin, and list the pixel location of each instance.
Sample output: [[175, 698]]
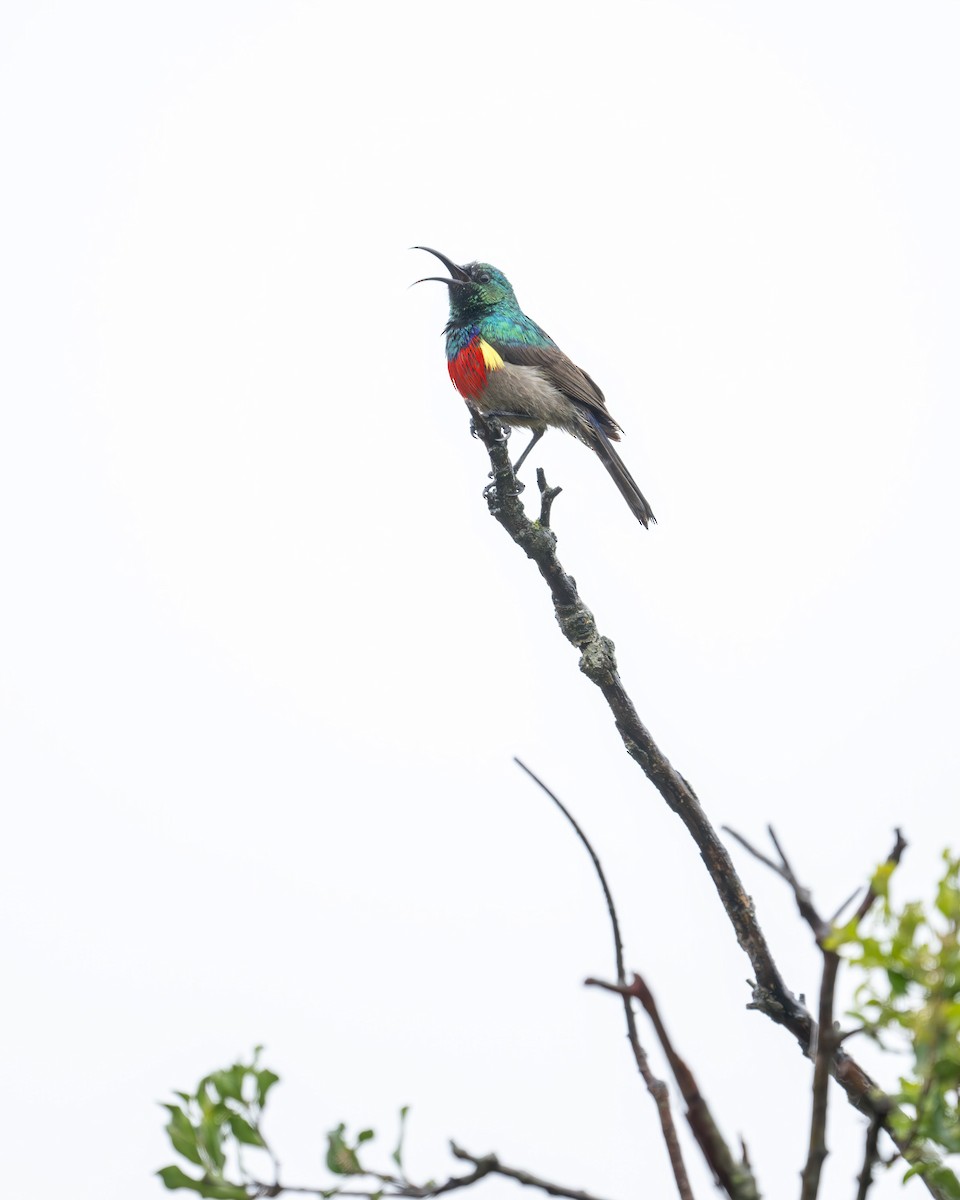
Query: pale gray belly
[[524, 396]]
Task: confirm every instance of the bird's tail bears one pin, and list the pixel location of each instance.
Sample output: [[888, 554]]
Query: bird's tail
[[600, 442]]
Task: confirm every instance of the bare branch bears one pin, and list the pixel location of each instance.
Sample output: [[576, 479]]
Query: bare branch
[[736, 1178], [827, 1038], [656, 1087], [391, 1186], [491, 1165], [849, 900], [801, 894], [386, 1186], [826, 1046], [871, 1156], [598, 662], [607, 894], [893, 858], [824, 1037], [547, 497]]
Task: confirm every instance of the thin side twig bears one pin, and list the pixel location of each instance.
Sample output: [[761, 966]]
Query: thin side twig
[[547, 497], [871, 1156], [736, 1178], [493, 1166], [656, 1087], [893, 858], [390, 1186]]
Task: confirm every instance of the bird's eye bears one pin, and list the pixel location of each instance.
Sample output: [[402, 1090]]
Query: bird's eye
[[483, 277]]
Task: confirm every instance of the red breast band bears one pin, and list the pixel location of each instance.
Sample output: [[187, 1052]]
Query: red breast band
[[468, 370]]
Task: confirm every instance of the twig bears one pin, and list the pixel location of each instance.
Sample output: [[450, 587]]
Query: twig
[[390, 1186], [893, 858], [826, 1046], [656, 1087], [824, 1034], [385, 1187], [849, 900], [736, 1178], [598, 662], [801, 894], [491, 1165], [871, 1156], [826, 1037], [821, 928], [547, 497]]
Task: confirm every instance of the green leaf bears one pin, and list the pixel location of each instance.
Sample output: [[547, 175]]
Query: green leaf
[[880, 883], [948, 896], [265, 1081], [224, 1191], [182, 1135], [909, 989], [210, 1137], [842, 935], [174, 1178], [243, 1131], [230, 1083], [341, 1158], [898, 982], [204, 1099], [365, 1135], [946, 1181]]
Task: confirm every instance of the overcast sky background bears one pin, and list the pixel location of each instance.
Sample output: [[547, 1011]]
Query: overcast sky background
[[265, 657]]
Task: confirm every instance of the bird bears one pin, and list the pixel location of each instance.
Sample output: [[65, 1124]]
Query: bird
[[506, 367]]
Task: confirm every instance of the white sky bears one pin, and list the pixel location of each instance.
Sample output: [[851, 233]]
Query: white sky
[[260, 690]]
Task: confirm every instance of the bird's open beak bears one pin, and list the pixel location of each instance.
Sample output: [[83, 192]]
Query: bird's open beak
[[459, 277]]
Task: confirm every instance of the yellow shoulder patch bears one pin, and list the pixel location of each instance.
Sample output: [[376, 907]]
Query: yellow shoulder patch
[[491, 359]]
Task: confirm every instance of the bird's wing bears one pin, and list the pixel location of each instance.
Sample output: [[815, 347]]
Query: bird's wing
[[564, 374]]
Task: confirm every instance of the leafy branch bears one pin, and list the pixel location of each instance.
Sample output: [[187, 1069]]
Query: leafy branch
[[908, 1001], [212, 1126]]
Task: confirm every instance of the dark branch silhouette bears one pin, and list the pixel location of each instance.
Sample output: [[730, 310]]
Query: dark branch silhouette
[[598, 662], [390, 1185], [871, 1156]]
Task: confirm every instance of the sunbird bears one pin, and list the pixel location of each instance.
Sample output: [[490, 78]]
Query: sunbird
[[508, 368]]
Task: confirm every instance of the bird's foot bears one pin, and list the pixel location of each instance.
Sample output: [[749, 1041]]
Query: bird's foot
[[491, 487], [504, 429], [520, 484]]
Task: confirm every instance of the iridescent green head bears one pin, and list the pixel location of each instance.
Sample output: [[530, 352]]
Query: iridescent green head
[[476, 289]]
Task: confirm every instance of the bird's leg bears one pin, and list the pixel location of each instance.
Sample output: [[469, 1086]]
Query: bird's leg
[[509, 418], [533, 441]]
